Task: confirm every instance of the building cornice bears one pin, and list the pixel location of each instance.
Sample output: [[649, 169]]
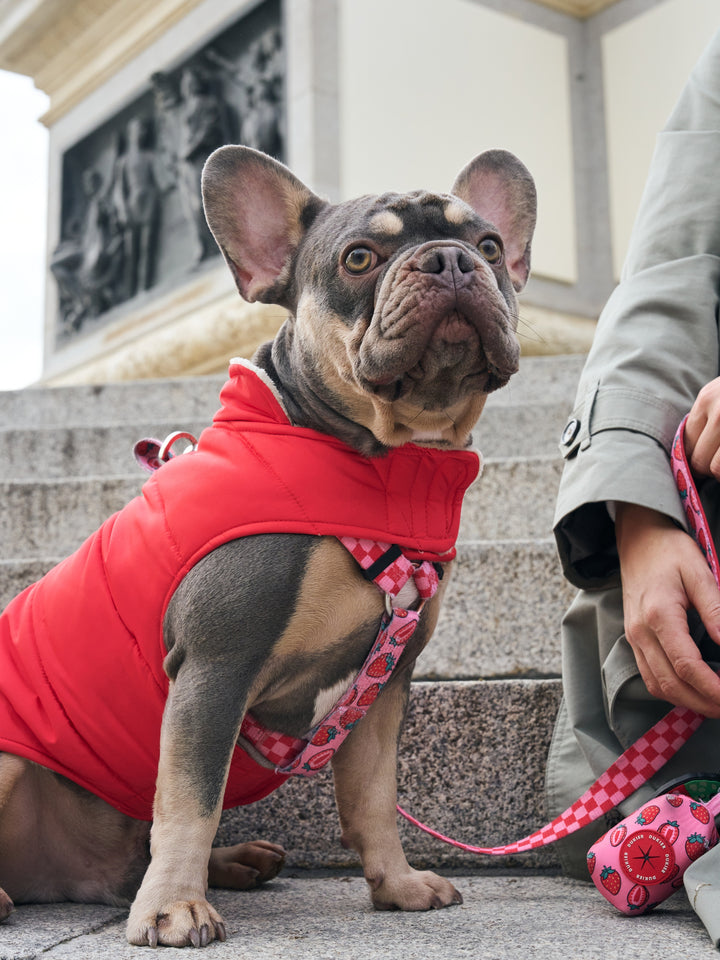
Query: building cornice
[[71, 47]]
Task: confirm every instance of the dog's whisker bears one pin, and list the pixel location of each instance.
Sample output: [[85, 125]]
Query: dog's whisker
[[529, 331]]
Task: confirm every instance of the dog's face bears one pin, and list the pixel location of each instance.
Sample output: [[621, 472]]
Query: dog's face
[[404, 307]]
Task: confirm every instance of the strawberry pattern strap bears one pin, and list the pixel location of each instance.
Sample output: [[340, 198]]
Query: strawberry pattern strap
[[697, 521], [391, 571]]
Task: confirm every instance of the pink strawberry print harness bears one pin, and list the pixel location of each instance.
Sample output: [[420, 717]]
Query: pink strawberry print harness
[[392, 573]]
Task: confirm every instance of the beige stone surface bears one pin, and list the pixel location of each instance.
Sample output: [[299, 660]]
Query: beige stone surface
[[170, 340], [578, 8], [549, 332]]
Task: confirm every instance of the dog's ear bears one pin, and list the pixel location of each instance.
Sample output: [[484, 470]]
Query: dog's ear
[[258, 212], [500, 189]]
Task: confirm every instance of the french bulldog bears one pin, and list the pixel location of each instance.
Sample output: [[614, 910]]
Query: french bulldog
[[402, 316]]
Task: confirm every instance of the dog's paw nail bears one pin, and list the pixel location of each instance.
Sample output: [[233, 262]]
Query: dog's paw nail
[[152, 937], [220, 932], [194, 937], [458, 898], [204, 935]]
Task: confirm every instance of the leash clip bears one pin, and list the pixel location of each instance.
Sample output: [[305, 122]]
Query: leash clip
[[165, 451], [151, 454]]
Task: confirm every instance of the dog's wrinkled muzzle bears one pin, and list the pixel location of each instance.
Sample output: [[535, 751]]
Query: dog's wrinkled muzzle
[[441, 328]]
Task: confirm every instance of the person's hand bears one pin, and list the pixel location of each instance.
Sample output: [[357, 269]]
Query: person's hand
[[664, 573], [702, 432]]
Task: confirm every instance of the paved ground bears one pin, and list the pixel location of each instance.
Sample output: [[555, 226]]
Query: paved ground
[[310, 917]]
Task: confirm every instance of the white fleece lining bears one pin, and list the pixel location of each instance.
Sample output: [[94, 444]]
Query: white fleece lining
[[261, 375]]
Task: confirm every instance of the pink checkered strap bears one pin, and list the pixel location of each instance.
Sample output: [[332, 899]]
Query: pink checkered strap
[[277, 748], [386, 566], [390, 570], [630, 771], [653, 750]]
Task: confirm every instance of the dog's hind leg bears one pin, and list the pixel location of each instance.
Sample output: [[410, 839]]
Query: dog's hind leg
[[11, 771], [245, 865]]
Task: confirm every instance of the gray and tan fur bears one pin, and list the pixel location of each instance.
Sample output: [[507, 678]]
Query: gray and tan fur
[[403, 321]]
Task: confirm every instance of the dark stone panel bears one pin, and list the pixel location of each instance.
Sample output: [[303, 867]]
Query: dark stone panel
[[132, 222]]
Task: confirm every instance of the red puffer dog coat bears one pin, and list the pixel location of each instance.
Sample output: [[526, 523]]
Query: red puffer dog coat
[[82, 685]]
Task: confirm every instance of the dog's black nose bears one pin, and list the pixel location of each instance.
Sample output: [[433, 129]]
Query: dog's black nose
[[440, 259]]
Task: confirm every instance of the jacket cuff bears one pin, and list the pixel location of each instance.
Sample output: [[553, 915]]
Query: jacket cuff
[[618, 464]]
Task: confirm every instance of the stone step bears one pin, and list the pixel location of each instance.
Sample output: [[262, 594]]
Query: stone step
[[54, 452], [540, 380], [514, 499], [191, 398], [501, 614], [472, 762], [500, 617]]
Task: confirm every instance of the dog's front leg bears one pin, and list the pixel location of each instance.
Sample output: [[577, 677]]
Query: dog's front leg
[[365, 772], [195, 751]]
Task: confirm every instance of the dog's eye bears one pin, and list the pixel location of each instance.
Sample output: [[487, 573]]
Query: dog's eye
[[360, 260], [490, 250]]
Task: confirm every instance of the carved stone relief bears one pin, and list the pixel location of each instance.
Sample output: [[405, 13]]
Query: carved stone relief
[[131, 220]]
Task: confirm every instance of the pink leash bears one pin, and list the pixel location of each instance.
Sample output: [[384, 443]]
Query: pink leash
[[390, 571], [652, 751]]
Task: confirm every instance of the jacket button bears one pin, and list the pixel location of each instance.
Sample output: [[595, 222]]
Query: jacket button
[[570, 431]]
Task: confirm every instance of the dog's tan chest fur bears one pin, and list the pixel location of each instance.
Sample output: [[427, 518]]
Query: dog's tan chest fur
[[332, 628]]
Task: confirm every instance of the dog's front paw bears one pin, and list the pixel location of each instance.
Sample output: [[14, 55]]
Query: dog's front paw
[[413, 890], [185, 923]]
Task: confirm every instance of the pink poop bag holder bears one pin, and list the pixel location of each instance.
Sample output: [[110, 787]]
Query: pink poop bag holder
[[641, 861]]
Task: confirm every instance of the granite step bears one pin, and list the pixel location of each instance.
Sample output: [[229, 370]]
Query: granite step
[[49, 433], [473, 751], [193, 398], [500, 617], [471, 765], [53, 452], [513, 499], [540, 380]]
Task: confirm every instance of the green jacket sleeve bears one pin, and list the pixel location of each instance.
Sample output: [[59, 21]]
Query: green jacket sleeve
[[656, 343]]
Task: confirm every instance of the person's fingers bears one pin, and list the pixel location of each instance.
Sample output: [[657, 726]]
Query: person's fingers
[[702, 431]]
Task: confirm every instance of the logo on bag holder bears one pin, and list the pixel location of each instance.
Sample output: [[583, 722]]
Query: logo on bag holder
[[646, 857]]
